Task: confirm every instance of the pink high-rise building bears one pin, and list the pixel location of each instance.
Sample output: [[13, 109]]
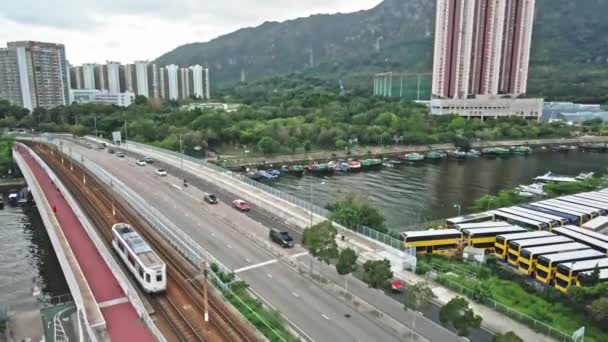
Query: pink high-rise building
[[482, 47]]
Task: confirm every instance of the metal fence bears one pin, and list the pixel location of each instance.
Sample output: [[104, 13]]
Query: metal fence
[[535, 324], [173, 235], [293, 200]]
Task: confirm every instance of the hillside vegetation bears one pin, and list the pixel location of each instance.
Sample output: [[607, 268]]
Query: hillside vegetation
[[569, 58]]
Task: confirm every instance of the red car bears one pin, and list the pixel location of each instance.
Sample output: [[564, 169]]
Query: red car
[[241, 205]]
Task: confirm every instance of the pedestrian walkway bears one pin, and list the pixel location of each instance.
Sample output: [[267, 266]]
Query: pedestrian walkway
[[123, 323]]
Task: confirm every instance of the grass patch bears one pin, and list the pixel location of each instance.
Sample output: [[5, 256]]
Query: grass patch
[[549, 307]]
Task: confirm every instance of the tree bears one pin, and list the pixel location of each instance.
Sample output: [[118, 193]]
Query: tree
[[594, 278], [458, 314], [418, 297], [599, 310], [377, 273], [293, 144], [140, 100], [341, 144], [267, 145], [507, 337], [347, 261], [307, 146], [354, 210], [320, 240]]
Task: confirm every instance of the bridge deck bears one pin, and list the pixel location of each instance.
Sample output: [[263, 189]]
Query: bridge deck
[[123, 323]]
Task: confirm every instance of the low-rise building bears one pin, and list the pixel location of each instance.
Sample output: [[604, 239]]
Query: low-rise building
[[489, 107], [96, 96]]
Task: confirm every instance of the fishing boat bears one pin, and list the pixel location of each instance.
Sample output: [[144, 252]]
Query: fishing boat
[[297, 169], [584, 175], [551, 178], [521, 149], [560, 148], [435, 155], [370, 163], [597, 147], [285, 169], [354, 165], [473, 153], [393, 161], [457, 154], [319, 168], [499, 151], [412, 157], [274, 172], [534, 189]]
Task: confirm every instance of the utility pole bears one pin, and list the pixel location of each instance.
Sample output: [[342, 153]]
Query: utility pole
[[205, 294], [181, 156], [95, 121], [126, 136], [418, 91], [112, 194], [311, 204]]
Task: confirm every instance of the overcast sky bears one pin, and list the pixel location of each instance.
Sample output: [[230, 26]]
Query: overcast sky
[[128, 30]]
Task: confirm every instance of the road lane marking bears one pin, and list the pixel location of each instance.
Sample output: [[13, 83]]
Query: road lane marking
[[297, 255], [269, 275], [250, 267], [229, 246], [177, 187], [247, 259], [295, 295], [325, 316]]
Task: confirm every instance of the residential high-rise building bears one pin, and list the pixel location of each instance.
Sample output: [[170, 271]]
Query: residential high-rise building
[[153, 80], [34, 74], [88, 72], [101, 77], [482, 47], [163, 80], [200, 81], [173, 81], [130, 78], [141, 78], [113, 77]]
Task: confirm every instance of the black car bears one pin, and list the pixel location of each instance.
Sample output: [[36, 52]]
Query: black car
[[282, 238], [211, 199]]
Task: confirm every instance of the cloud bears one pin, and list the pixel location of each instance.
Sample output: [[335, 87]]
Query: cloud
[[126, 30]]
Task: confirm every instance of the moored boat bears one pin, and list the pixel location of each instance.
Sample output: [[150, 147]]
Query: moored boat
[[534, 189], [413, 157], [560, 148], [354, 165], [584, 175], [369, 163], [297, 169], [551, 178], [457, 154], [319, 168], [521, 149], [435, 155]]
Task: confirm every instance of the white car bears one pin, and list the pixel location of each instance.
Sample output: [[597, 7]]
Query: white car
[[161, 172], [141, 163]]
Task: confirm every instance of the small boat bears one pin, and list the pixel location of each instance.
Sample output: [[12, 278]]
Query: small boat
[[521, 149], [285, 169], [499, 151], [393, 161], [435, 155], [412, 157], [584, 175], [274, 172], [534, 189], [370, 163], [297, 169], [354, 165], [551, 178], [13, 198], [560, 148], [255, 175], [457, 154], [598, 147], [473, 153], [319, 168], [387, 164], [269, 175]]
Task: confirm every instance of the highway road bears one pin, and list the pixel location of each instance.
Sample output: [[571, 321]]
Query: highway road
[[225, 233]]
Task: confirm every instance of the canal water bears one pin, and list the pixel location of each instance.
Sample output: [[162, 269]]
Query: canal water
[[27, 258], [413, 194]]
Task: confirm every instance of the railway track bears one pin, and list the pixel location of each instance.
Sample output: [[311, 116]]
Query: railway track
[[183, 304]]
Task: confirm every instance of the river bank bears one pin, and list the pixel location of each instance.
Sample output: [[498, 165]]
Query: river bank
[[236, 162]]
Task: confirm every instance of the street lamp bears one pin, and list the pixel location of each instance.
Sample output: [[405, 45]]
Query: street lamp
[[311, 201], [457, 206]]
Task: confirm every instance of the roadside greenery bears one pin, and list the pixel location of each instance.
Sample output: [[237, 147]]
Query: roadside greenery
[[268, 321], [418, 296], [458, 314], [6, 157], [501, 283], [347, 261], [377, 273], [354, 211], [507, 337], [320, 239]]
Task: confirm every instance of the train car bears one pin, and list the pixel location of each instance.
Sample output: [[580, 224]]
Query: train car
[[143, 263]]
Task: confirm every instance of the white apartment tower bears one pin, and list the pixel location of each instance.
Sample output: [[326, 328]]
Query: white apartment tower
[[141, 78], [88, 72], [482, 47], [113, 77], [172, 81]]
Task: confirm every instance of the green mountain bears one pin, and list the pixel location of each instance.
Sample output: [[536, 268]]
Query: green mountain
[[569, 58]]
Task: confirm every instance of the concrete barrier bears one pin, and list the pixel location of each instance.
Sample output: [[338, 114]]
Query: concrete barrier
[[95, 325], [116, 270]]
